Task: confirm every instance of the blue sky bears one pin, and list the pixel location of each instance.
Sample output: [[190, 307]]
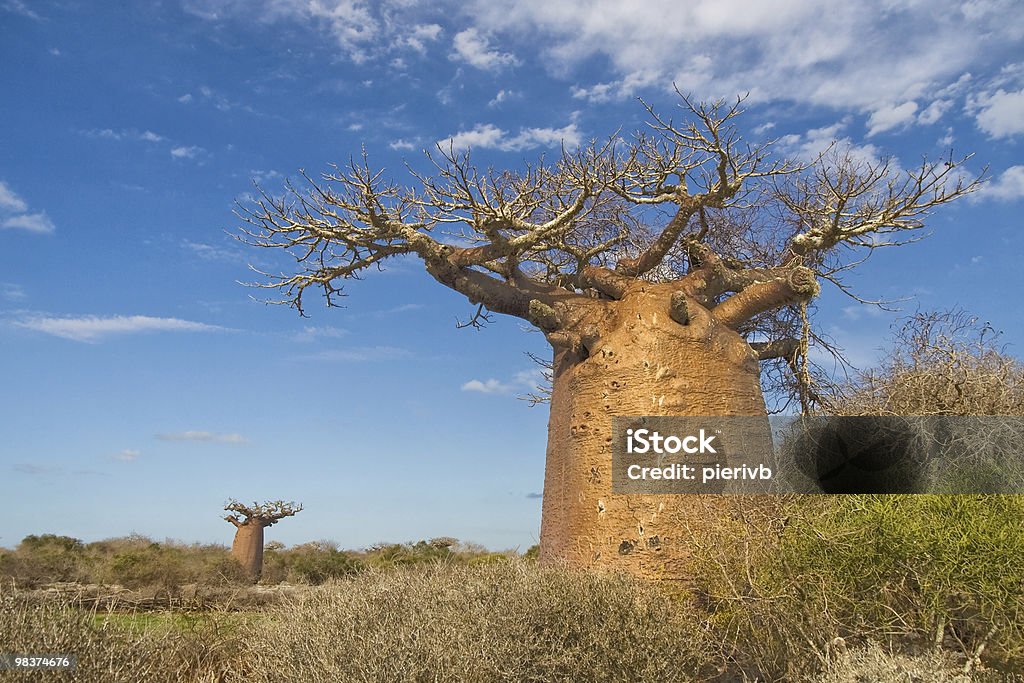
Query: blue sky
[[141, 384]]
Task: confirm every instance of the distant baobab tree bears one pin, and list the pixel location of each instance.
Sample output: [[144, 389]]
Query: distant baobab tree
[[671, 272], [249, 522]]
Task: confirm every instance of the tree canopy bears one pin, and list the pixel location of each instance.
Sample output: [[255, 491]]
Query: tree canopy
[[743, 233]]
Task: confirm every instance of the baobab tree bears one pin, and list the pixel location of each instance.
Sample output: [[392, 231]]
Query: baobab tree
[[249, 522], [664, 270]]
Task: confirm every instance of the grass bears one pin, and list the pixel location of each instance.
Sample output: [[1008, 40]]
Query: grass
[[826, 589], [495, 621]]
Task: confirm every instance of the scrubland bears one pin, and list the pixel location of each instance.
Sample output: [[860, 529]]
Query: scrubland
[[828, 589]]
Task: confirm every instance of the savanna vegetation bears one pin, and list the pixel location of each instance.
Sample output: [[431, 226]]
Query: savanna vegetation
[[832, 589]]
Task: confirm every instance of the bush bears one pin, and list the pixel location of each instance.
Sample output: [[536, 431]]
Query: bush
[[923, 572], [106, 653], [45, 559], [509, 621], [315, 563], [942, 363]]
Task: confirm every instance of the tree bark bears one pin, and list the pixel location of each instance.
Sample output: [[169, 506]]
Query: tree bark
[[643, 362], [247, 548]]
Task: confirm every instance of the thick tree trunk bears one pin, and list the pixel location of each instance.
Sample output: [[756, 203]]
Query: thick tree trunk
[[639, 362], [247, 548]]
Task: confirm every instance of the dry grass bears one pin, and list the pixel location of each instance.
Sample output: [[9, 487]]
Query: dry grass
[[515, 621], [508, 621]]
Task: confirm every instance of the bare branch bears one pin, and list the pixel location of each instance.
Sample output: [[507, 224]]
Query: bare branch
[[264, 514], [851, 201]]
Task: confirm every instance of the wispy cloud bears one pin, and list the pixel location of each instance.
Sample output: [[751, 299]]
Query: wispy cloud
[[474, 48], [490, 386], [365, 354], [10, 291], [402, 144], [124, 134], [187, 152], [717, 48], [312, 333], [96, 328], [203, 436], [127, 455], [501, 97], [524, 380], [10, 201], [891, 116], [20, 8], [363, 30], [213, 252], [38, 223], [32, 468], [15, 215], [489, 136]]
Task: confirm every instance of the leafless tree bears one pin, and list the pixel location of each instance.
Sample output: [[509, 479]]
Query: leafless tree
[[663, 269], [249, 522]]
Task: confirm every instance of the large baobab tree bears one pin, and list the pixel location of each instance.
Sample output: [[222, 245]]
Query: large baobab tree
[[249, 522], [664, 270]]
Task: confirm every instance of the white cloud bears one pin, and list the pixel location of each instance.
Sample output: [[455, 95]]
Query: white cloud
[[127, 455], [418, 37], [481, 136], [1008, 186], [621, 89], [186, 98], [208, 437], [95, 328], [491, 386], [1001, 114], [9, 199], [502, 96], [810, 145], [489, 136], [891, 116], [473, 48], [524, 380], [868, 57], [20, 8], [210, 252], [263, 176], [12, 292], [402, 145], [934, 111], [14, 214], [362, 30], [123, 134], [312, 333], [190, 152], [38, 223]]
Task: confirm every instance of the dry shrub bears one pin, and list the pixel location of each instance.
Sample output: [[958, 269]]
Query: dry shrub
[[508, 621], [942, 363], [875, 663], [108, 653]]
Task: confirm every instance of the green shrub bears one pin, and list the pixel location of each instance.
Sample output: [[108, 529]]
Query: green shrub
[[315, 563], [924, 572], [45, 559]]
